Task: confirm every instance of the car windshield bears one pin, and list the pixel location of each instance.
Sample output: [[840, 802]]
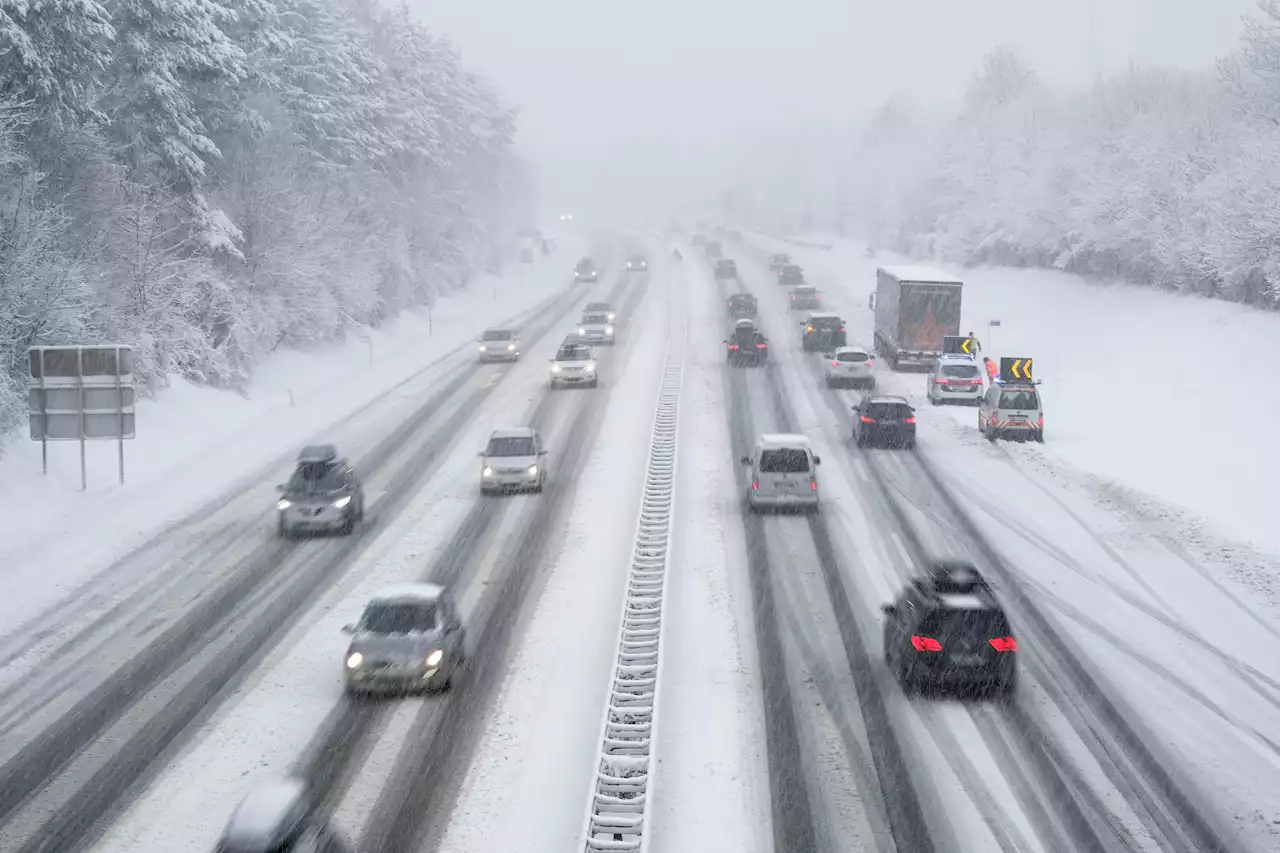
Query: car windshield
[[960, 371], [597, 307], [852, 357], [595, 318], [889, 411], [316, 477], [803, 291], [510, 446], [495, 335], [572, 354], [584, 265], [785, 460], [826, 322], [781, 259], [399, 617], [948, 626], [1020, 400]]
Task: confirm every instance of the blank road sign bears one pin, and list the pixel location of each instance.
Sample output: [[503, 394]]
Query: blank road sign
[[68, 399], [72, 362], [66, 426]]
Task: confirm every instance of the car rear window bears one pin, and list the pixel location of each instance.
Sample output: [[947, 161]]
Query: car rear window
[[826, 322], [495, 335], [889, 411], [807, 290], [510, 446], [741, 299], [1020, 400], [786, 460], [856, 357], [951, 625], [960, 371], [399, 617]]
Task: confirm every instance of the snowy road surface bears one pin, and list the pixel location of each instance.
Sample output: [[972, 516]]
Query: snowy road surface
[[1145, 720]]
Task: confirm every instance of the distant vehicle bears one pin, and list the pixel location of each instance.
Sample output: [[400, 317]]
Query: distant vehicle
[[778, 261], [915, 307], [735, 236], [948, 629], [805, 296], [851, 366], [595, 328], [637, 263], [499, 345], [884, 422], [746, 345], [513, 460], [699, 240], [790, 275], [574, 365], [823, 332], [713, 249], [726, 268], [323, 495], [783, 473], [585, 272], [279, 817], [601, 308], [566, 217], [1012, 411], [954, 378], [742, 305], [409, 638]]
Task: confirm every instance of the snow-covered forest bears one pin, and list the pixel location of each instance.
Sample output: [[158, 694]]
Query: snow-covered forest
[[210, 179], [1166, 178]]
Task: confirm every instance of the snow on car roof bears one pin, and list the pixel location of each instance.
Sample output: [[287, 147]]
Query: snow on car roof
[[852, 349], [783, 439], [966, 601], [266, 815], [513, 432], [887, 398], [824, 315], [921, 273], [414, 591]]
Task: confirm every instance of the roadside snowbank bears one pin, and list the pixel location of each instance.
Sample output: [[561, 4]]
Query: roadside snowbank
[[196, 442], [1161, 397]]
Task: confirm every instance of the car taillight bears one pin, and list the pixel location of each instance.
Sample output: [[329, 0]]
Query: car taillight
[[867, 420], [835, 364], [871, 362], [1040, 422], [910, 420], [761, 346], [755, 487], [926, 644], [733, 346], [842, 328], [1004, 644], [941, 381], [813, 484], [793, 297]]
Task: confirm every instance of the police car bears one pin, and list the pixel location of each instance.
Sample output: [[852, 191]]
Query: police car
[[1012, 411], [947, 629], [954, 378]]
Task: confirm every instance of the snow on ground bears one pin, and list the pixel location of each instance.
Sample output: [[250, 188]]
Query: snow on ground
[[1159, 401], [271, 717], [528, 782], [195, 442], [711, 789]]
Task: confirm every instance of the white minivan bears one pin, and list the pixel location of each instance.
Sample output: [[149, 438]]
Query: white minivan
[[783, 473], [1012, 412]]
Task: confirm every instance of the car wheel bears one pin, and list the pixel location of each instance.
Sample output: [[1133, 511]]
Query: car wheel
[[933, 400], [282, 530], [348, 527], [1040, 436], [859, 439]]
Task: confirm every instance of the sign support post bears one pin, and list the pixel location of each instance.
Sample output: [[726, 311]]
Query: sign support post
[[44, 419], [120, 412], [84, 471]]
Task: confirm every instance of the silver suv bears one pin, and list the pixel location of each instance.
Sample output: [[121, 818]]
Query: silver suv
[[409, 638], [499, 345], [323, 495], [514, 460]]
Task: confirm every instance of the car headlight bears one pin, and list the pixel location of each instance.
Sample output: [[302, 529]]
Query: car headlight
[[354, 660], [533, 471], [582, 330], [608, 330], [555, 368], [483, 348], [591, 368], [612, 317], [511, 347], [283, 504], [341, 502], [488, 472], [435, 657]]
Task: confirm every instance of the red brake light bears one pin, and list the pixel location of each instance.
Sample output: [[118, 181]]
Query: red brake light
[[733, 346], [1041, 421], [793, 297], [941, 381], [813, 484], [871, 362], [910, 420], [842, 328], [1004, 644], [761, 346], [926, 644], [755, 487], [867, 420]]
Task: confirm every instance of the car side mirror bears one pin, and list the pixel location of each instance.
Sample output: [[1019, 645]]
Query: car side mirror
[[817, 460], [888, 609], [746, 460], [349, 629], [542, 453], [280, 487], [480, 455]]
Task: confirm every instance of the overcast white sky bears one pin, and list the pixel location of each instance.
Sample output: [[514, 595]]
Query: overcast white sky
[[623, 99]]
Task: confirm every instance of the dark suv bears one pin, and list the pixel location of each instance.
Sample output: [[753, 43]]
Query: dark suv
[[746, 345], [823, 332], [323, 495], [790, 275], [726, 268], [884, 422], [948, 630], [742, 305]]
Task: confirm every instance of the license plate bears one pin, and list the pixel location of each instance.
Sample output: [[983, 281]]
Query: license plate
[[966, 660]]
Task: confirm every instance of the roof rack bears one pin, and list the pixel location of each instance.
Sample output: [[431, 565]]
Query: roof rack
[[955, 577], [317, 453]]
